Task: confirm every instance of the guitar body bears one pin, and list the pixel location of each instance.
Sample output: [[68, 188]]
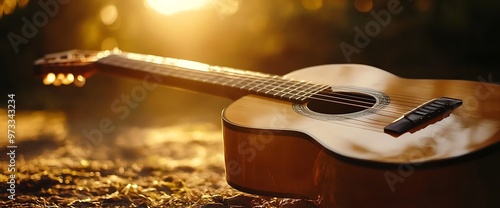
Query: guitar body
[[346, 160], [346, 136]]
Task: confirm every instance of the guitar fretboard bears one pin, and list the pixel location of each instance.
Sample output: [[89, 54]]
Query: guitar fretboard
[[240, 80]]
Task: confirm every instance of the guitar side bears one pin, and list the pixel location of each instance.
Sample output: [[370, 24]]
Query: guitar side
[[271, 149]]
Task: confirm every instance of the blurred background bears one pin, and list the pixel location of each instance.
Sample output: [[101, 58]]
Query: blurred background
[[455, 39]]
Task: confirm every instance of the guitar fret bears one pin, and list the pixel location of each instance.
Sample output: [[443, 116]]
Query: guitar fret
[[217, 80], [227, 82], [307, 92], [253, 82], [290, 89], [282, 90], [320, 88], [247, 85], [275, 87], [238, 82], [230, 82], [299, 91], [263, 83]]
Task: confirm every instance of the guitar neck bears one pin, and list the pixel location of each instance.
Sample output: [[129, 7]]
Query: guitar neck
[[215, 80]]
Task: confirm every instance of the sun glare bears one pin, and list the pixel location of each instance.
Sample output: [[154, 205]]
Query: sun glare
[[169, 7]]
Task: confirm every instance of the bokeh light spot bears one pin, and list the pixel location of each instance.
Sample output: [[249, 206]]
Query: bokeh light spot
[[49, 79], [79, 81], [169, 7], [339, 4], [9, 6], [273, 45], [424, 5], [312, 4], [109, 44], [109, 14], [22, 3], [363, 5], [68, 79]]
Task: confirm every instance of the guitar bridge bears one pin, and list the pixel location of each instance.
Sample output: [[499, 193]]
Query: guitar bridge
[[426, 112]]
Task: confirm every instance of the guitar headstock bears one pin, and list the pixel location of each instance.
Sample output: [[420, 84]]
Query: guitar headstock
[[68, 67]]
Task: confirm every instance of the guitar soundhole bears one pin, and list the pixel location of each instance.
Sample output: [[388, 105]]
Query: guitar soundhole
[[340, 102]]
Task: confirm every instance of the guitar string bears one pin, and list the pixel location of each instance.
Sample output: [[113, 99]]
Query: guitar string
[[326, 97], [420, 100], [276, 89], [264, 77], [313, 97], [357, 99], [363, 102], [367, 125], [263, 81], [372, 126], [366, 99], [377, 124], [204, 75]]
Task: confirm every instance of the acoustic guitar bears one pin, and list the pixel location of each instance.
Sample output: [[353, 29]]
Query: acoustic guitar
[[344, 135]]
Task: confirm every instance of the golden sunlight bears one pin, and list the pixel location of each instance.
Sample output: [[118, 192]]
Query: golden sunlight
[[169, 7]]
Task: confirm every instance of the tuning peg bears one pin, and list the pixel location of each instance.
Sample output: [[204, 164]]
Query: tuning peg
[[59, 79], [49, 79], [79, 81], [68, 79]]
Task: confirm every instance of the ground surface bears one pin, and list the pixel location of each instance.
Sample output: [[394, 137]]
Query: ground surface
[[174, 166]]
